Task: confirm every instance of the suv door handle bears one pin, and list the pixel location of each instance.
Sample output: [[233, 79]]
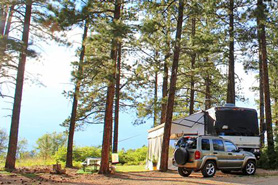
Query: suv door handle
[[215, 153]]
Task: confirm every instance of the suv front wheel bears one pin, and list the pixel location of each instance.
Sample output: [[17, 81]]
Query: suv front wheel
[[250, 168], [184, 171], [209, 169]]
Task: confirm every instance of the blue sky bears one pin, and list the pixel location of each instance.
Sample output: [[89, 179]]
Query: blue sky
[[44, 107]]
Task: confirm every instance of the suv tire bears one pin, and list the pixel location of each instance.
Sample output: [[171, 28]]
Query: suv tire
[[181, 156], [249, 168], [209, 169], [184, 171]]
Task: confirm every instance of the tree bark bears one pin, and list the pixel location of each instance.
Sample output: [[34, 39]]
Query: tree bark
[[155, 99], [3, 16], [164, 92], [75, 99], [208, 93], [231, 74], [13, 139], [165, 72], [117, 101], [268, 116], [9, 21], [193, 60], [261, 91], [104, 166], [172, 91]]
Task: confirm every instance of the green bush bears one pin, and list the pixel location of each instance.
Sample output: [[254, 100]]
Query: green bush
[[133, 156], [264, 160], [79, 153]]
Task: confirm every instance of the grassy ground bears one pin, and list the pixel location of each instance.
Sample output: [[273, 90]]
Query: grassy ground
[[133, 168]]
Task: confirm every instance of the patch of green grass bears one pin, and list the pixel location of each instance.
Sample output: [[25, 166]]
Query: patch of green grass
[[4, 172], [134, 168]]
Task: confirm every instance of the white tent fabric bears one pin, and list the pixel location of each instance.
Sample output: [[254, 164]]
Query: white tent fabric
[[193, 124]]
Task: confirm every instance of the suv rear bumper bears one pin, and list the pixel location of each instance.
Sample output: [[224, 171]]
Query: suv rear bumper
[[196, 165]]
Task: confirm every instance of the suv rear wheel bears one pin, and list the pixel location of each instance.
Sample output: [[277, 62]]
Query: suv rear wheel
[[250, 168], [209, 169], [184, 171]]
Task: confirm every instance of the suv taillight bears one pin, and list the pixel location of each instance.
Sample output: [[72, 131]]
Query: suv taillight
[[197, 154]]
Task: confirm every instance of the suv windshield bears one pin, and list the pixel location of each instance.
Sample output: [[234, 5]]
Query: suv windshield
[[186, 142]]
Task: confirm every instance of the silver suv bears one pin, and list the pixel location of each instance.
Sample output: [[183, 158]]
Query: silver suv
[[209, 153]]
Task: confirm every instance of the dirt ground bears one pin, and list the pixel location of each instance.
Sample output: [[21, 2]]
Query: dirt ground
[[137, 178]]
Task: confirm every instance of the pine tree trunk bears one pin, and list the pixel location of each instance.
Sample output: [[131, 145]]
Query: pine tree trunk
[[165, 71], [268, 116], [9, 21], [11, 155], [172, 91], [104, 167], [193, 59], [231, 74], [3, 15], [155, 99], [117, 101], [164, 91], [75, 99], [208, 93], [261, 92]]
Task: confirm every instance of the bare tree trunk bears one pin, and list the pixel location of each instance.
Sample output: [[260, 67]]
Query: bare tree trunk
[[172, 91], [261, 92], [3, 16], [193, 59], [9, 21], [117, 101], [155, 99], [164, 91], [208, 93], [261, 31], [11, 155], [75, 99], [231, 75], [104, 167]]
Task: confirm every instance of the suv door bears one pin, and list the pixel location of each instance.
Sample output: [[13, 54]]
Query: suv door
[[219, 152], [235, 159]]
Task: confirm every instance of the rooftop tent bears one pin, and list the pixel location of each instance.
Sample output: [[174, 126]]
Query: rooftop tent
[[191, 125]]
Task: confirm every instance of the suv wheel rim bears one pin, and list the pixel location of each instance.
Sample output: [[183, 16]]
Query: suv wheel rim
[[210, 169], [250, 168], [185, 171]]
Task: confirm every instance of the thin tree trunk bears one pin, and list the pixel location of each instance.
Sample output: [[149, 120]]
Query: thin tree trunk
[[193, 60], [164, 92], [11, 155], [268, 116], [3, 16], [6, 34], [155, 99], [261, 93], [9, 21], [75, 99], [117, 101], [104, 167], [165, 73], [172, 91], [231, 74], [208, 93]]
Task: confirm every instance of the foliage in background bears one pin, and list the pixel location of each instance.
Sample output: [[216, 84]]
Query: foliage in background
[[48, 144]]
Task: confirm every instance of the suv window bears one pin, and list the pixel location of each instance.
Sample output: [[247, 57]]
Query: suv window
[[230, 147], [205, 144], [218, 145], [189, 143]]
